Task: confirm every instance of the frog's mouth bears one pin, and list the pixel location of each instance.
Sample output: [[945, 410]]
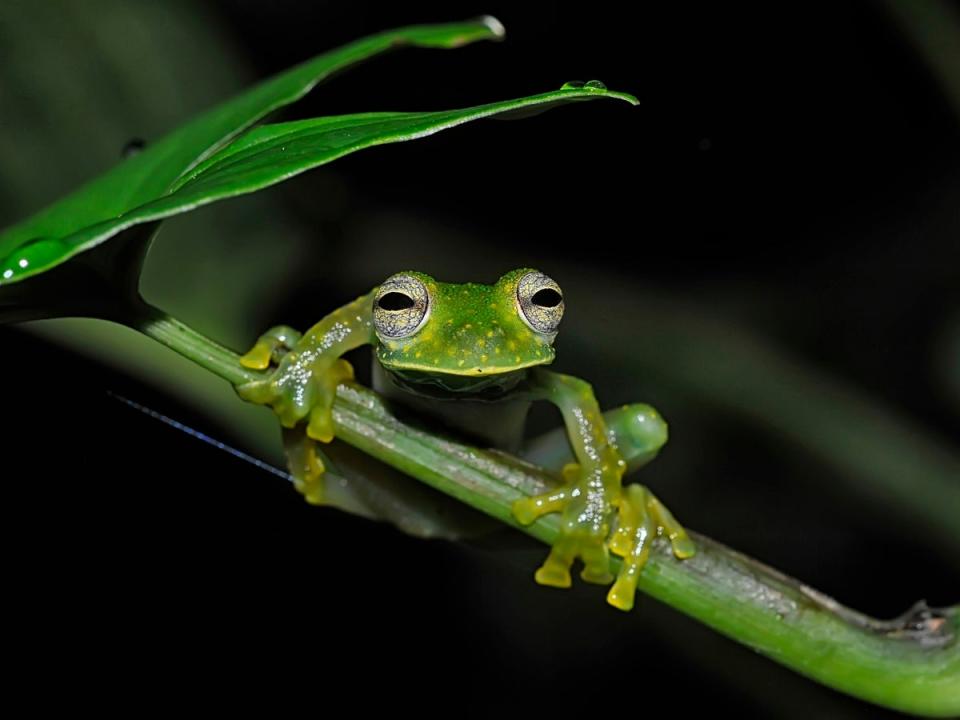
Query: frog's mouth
[[486, 386], [475, 369]]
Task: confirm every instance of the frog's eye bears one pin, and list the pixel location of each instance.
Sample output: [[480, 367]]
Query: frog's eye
[[541, 302], [400, 306]]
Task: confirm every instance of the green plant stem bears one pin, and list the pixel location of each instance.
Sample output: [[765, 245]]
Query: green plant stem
[[192, 345], [911, 663]]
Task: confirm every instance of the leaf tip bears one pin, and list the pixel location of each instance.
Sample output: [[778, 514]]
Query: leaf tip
[[496, 28], [597, 88], [452, 35]]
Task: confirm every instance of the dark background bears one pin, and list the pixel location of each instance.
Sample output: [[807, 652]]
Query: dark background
[[789, 182]]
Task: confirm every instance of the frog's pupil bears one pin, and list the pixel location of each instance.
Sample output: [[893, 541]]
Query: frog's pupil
[[548, 298], [395, 301]]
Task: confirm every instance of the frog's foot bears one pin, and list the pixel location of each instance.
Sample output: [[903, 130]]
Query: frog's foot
[[305, 464], [587, 506], [271, 347], [320, 426], [641, 517], [297, 389]]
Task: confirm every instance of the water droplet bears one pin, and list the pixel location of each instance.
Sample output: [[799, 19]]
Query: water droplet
[[32, 256], [594, 85]]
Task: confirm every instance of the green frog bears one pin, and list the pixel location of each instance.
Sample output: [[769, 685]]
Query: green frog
[[473, 356]]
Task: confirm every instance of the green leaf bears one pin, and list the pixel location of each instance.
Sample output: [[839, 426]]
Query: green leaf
[[148, 175], [272, 153]]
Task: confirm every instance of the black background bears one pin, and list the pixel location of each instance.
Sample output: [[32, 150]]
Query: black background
[[796, 163]]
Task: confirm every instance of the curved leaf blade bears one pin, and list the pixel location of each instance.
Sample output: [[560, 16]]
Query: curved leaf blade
[[146, 176], [270, 154]]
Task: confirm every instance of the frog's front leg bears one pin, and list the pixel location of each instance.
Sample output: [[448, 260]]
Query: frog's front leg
[[589, 499], [592, 501], [271, 347], [304, 383]]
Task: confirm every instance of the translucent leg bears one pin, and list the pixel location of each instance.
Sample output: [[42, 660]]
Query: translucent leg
[[305, 462], [587, 503]]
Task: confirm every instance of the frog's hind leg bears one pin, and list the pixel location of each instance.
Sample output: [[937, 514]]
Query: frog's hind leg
[[638, 431], [305, 461], [592, 493], [343, 477]]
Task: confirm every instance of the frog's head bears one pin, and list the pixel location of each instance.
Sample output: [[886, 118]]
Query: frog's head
[[470, 329]]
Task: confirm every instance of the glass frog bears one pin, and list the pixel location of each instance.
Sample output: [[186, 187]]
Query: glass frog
[[472, 356]]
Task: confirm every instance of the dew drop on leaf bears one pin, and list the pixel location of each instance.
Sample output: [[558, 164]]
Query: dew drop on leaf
[[30, 256]]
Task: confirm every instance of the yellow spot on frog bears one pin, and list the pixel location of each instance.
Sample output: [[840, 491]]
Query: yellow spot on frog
[[489, 333], [484, 358], [461, 363], [511, 345], [493, 306], [468, 326], [497, 350], [516, 359], [417, 354]]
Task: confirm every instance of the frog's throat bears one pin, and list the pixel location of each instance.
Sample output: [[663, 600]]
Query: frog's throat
[[441, 385]]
